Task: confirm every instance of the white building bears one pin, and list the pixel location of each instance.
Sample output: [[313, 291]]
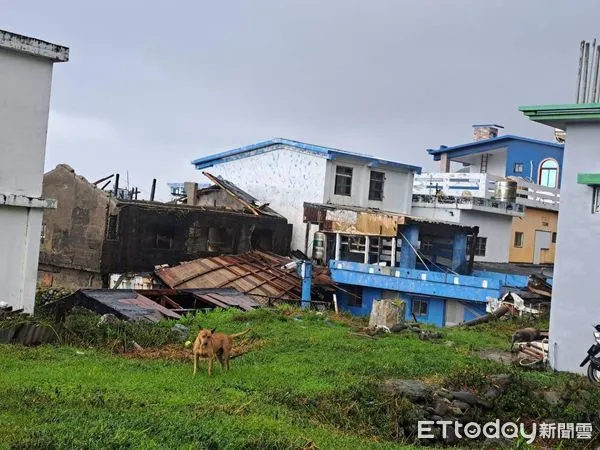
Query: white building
[[575, 298], [25, 80], [521, 230], [288, 173]]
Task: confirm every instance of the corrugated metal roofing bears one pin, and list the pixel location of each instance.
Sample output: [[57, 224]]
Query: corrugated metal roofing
[[257, 274]]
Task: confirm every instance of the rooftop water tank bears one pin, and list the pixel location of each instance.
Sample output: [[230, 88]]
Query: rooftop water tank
[[506, 190]]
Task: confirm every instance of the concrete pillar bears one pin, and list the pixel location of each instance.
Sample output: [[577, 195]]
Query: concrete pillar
[[394, 249], [444, 163], [25, 85], [367, 243], [459, 253], [191, 192], [408, 257], [338, 246], [306, 277]]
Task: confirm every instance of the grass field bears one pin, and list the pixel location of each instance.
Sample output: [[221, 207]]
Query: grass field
[[310, 384]]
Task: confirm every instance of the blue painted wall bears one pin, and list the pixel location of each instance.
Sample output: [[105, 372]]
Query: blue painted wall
[[473, 310], [526, 152]]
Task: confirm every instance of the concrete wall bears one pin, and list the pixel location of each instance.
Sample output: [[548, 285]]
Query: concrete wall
[[25, 83], [75, 231], [442, 214], [496, 228], [535, 219], [68, 278], [496, 163], [285, 178], [575, 303], [397, 187]]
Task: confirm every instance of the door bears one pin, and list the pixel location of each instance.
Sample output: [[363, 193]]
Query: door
[[543, 239], [455, 313]]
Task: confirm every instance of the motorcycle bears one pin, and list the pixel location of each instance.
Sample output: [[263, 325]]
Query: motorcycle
[[593, 370]]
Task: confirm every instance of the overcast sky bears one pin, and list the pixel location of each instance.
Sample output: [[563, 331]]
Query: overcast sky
[[151, 86]]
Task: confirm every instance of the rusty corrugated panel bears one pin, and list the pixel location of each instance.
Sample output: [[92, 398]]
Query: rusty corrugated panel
[[256, 274]]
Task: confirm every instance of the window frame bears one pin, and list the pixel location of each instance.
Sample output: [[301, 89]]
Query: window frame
[[518, 243], [518, 167], [342, 184], [595, 199], [421, 303], [477, 245], [372, 186], [554, 170]]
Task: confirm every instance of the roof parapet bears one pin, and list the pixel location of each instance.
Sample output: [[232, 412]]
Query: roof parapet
[[32, 46]]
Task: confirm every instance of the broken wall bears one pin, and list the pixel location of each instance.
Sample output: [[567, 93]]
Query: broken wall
[[73, 234], [150, 234]]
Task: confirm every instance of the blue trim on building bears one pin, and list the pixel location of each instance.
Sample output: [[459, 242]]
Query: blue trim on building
[[489, 144], [329, 153], [420, 282]]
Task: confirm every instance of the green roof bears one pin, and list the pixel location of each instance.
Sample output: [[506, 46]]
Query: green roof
[[558, 116]]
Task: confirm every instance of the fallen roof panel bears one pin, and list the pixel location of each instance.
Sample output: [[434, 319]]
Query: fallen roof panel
[[256, 274]]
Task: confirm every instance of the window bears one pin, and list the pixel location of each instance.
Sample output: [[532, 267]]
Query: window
[[163, 241], [376, 186], [354, 295], [548, 173], [554, 237], [43, 236], [480, 245], [519, 239], [112, 230], [419, 307], [518, 168], [343, 181], [596, 200]]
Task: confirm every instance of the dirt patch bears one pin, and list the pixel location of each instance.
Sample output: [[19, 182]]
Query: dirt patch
[[499, 356], [177, 352]]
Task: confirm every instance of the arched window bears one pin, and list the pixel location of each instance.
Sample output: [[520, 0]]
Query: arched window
[[548, 175]]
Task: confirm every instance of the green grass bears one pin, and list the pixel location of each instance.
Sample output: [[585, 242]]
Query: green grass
[[311, 382]]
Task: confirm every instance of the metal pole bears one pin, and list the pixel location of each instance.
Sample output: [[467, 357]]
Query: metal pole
[[597, 83], [595, 75], [116, 184], [590, 98], [586, 61], [153, 190], [306, 276], [581, 49]]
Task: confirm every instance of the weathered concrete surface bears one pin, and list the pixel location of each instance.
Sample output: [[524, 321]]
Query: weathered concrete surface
[[25, 83]]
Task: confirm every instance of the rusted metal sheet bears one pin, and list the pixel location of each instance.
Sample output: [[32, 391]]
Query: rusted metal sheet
[[257, 274]]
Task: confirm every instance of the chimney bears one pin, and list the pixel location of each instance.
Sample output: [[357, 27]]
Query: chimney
[[485, 131], [191, 192]]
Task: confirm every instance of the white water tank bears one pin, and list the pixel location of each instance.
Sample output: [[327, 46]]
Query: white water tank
[[319, 245]]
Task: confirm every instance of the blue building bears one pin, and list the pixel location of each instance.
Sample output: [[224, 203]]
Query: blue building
[[538, 162], [375, 254]]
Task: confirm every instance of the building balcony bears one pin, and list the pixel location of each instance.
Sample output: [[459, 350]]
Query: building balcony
[[471, 203], [482, 186]]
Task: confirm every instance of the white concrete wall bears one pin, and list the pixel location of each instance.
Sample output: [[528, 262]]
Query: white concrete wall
[[575, 299], [496, 228], [496, 163], [24, 105], [285, 178], [442, 214], [397, 187]]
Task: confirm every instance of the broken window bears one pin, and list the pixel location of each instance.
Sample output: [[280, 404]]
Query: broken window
[[420, 307], [163, 240], [262, 240], [376, 186], [518, 168], [518, 239], [596, 200], [112, 229], [343, 181], [354, 295]]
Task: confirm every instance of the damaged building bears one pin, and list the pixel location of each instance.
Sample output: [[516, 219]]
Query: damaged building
[[93, 235]]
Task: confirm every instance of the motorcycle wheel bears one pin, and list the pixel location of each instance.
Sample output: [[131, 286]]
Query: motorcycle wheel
[[593, 373]]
